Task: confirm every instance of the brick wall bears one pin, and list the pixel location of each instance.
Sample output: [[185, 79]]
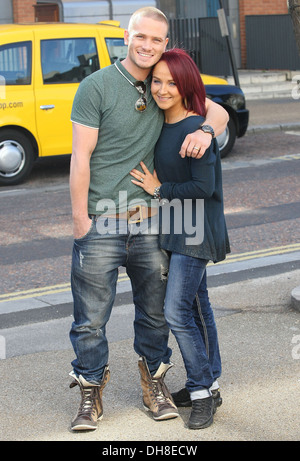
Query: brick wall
[[23, 11], [257, 7]]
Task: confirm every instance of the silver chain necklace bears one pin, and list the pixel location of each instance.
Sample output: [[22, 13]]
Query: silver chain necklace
[[139, 85], [123, 74]]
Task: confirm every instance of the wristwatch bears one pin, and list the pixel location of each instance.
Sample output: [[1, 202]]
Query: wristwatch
[[207, 129]]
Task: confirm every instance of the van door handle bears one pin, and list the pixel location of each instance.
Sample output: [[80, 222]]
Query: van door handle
[[50, 106]]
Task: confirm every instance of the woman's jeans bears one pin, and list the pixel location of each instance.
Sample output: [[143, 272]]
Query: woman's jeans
[[96, 259], [190, 317]]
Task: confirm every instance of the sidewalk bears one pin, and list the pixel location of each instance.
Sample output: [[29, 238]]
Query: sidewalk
[[267, 84], [271, 97], [273, 115], [259, 339]]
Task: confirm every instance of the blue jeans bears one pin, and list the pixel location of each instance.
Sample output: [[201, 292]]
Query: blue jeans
[[190, 317], [95, 262]]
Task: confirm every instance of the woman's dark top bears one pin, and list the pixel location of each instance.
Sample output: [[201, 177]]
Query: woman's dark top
[[184, 180]]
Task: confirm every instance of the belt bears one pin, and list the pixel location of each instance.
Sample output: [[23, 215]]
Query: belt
[[135, 215]]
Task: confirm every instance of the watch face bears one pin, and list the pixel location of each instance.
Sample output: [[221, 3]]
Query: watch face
[[208, 129]]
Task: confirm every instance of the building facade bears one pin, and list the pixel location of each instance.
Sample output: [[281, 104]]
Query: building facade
[[19, 11]]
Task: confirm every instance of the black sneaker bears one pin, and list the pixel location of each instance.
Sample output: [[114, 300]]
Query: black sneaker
[[202, 413], [216, 398], [182, 398]]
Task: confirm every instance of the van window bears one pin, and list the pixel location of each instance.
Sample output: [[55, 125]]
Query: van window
[[68, 60], [116, 48], [15, 63]]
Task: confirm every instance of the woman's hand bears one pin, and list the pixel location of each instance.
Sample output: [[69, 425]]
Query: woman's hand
[[145, 180]]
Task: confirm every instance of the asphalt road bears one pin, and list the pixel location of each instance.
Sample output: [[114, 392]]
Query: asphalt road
[[261, 193], [262, 207]]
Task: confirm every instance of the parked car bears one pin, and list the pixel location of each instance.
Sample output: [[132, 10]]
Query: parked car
[[41, 66]]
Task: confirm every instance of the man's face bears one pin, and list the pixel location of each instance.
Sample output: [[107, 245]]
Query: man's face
[[146, 42]]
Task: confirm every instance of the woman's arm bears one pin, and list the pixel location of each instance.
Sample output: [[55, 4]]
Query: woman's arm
[[201, 186]]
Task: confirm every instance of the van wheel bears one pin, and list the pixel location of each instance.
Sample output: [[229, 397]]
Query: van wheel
[[16, 157], [226, 140]]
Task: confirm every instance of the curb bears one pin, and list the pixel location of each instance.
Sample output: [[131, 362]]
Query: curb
[[282, 127]]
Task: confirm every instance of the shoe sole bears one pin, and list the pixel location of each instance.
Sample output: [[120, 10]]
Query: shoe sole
[[85, 427], [82, 427], [162, 417], [203, 426]]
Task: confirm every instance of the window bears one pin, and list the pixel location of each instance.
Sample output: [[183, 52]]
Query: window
[[116, 48], [15, 63], [68, 60]]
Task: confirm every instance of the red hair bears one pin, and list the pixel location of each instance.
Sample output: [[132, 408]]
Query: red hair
[[187, 78]]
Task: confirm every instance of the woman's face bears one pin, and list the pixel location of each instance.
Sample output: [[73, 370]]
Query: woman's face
[[164, 89]]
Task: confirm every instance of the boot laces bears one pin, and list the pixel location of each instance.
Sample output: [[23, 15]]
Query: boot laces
[[87, 404], [160, 390]]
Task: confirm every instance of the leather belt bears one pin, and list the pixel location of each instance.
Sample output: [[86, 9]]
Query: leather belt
[[136, 214]]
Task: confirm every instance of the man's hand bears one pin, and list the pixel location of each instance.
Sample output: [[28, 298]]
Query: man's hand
[[81, 227], [195, 144]]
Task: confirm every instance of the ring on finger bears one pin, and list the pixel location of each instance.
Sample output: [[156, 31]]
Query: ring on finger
[[197, 148], [142, 179]]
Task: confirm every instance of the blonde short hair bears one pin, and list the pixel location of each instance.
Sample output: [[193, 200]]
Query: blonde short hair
[[147, 12]]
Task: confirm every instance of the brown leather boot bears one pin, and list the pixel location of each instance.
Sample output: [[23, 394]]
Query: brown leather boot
[[90, 409], [156, 396]]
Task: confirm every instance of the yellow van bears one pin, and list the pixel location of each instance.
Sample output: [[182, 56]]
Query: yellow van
[[41, 66]]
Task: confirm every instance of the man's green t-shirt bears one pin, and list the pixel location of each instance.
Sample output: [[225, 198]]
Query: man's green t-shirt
[[106, 100]]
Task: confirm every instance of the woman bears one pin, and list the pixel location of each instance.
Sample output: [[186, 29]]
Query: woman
[[178, 89]]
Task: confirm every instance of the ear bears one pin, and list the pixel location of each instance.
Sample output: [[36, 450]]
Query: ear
[[126, 37], [166, 43]]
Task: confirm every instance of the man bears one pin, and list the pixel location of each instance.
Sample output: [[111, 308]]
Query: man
[[116, 124]]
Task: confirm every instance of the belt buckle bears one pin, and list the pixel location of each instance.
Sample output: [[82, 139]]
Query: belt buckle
[[134, 221]]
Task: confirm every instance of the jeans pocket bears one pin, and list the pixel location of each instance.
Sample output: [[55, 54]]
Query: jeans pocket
[[88, 232]]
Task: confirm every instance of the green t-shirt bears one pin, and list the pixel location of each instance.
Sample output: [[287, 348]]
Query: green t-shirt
[[106, 100]]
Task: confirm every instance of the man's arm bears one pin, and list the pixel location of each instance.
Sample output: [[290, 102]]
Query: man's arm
[[217, 118], [84, 142]]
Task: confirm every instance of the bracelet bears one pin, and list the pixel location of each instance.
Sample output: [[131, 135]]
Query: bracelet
[[156, 194]]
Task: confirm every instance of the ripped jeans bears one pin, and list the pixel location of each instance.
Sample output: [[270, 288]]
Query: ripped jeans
[[95, 262]]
